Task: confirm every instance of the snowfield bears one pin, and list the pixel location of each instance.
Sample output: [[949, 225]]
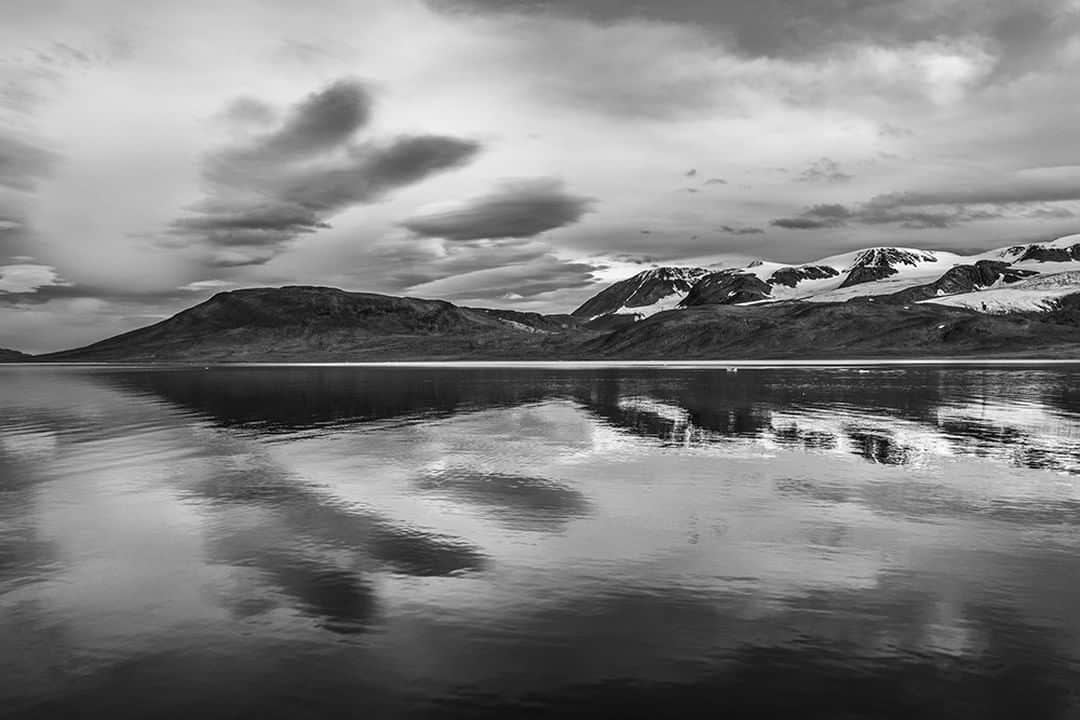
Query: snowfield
[[1036, 295]]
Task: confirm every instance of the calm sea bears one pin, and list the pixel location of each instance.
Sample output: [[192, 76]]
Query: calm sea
[[312, 542]]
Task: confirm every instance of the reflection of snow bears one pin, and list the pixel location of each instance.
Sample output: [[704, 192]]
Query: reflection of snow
[[664, 410]]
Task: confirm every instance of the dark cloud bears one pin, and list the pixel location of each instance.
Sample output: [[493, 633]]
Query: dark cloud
[[515, 209], [22, 163], [824, 170], [691, 173], [368, 172], [801, 223], [716, 181], [323, 121], [289, 181], [741, 230], [815, 218]]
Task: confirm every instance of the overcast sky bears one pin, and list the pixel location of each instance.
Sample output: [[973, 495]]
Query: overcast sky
[[508, 153]]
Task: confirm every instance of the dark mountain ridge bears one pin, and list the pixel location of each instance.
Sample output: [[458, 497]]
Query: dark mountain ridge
[[12, 356]]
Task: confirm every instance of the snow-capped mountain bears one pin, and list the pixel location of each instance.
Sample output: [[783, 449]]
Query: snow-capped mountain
[[644, 294], [1017, 278]]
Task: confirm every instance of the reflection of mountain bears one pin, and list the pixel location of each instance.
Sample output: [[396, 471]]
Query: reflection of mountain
[[898, 419], [888, 417], [284, 399]]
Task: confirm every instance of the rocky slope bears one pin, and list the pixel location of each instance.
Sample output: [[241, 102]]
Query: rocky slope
[[12, 356], [727, 287]]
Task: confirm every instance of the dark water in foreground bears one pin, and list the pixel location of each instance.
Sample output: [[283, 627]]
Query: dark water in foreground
[[344, 542]]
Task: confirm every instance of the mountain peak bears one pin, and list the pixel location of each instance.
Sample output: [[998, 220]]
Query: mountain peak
[[892, 256], [665, 286]]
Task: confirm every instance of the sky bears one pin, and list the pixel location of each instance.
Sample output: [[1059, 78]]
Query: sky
[[508, 153]]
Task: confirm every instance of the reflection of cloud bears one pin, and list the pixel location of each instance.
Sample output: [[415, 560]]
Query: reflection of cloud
[[299, 511], [341, 600], [520, 501]]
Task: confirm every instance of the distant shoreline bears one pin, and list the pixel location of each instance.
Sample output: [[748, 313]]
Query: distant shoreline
[[580, 364]]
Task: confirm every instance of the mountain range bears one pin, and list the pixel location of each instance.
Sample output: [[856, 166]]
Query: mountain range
[[1022, 301], [1030, 277]]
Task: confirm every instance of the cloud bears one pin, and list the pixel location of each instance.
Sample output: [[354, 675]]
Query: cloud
[[323, 121], [22, 163], [1037, 185], [1030, 194], [716, 181], [741, 230], [833, 216], [797, 30], [28, 278], [802, 223], [249, 111], [824, 171], [209, 286], [290, 181], [515, 209], [544, 274], [1050, 213]]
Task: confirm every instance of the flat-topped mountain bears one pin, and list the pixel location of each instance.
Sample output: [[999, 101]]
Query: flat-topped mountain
[[299, 321]]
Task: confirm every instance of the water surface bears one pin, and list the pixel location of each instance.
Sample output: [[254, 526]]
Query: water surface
[[528, 542]]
